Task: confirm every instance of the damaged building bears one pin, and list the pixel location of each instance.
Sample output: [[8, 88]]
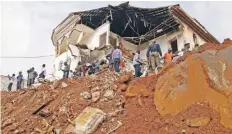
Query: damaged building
[[86, 36]]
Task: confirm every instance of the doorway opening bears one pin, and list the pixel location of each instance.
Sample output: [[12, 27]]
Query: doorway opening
[[174, 46]]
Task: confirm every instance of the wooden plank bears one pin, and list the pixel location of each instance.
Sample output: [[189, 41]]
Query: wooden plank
[[43, 106]]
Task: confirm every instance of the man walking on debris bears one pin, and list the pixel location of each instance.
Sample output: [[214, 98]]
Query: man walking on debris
[[109, 58], [66, 70], [117, 56], [19, 80], [12, 79], [153, 55], [137, 64], [43, 72]]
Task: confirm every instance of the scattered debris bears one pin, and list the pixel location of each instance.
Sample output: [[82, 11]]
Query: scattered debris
[[115, 128], [59, 116]]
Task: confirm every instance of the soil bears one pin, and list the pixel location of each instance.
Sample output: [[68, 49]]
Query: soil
[[140, 114]]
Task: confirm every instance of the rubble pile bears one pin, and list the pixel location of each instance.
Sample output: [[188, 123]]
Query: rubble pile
[[54, 107], [192, 95]]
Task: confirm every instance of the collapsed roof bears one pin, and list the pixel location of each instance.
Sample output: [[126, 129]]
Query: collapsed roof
[[139, 25]]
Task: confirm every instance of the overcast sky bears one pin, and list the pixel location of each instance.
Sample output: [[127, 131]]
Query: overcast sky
[[27, 26]]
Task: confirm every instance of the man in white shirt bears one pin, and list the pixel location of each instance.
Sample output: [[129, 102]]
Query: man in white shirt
[[137, 63], [43, 72], [11, 81]]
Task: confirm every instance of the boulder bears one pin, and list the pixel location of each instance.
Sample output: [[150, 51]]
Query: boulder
[[198, 122]]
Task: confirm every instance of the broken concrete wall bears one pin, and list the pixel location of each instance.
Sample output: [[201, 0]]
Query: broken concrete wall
[[73, 54], [94, 40]]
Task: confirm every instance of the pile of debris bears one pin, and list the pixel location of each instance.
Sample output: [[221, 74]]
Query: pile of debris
[[53, 108], [192, 95]]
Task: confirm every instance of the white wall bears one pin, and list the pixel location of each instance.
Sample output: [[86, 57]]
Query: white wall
[[63, 57], [183, 36], [93, 41], [188, 37]]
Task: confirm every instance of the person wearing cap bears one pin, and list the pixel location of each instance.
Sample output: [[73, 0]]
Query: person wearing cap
[[19, 80], [168, 56], [153, 54]]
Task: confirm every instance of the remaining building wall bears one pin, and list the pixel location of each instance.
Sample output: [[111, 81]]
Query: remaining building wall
[[188, 37], [183, 36], [64, 57], [94, 40]]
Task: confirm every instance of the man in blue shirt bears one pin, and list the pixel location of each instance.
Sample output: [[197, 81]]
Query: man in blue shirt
[[117, 56], [153, 54], [19, 80]]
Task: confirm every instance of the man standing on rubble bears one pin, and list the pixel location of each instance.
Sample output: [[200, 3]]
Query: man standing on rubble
[[19, 80], [65, 70], [109, 58], [31, 76], [153, 54], [117, 56], [12, 79], [43, 72], [137, 64]]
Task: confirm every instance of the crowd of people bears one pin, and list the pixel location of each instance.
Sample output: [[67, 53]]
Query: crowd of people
[[115, 61], [31, 76], [154, 57]]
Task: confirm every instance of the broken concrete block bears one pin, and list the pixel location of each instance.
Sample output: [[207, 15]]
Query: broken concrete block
[[109, 94], [85, 95], [95, 96], [36, 85], [88, 121], [55, 84], [198, 122], [64, 85], [95, 89]]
